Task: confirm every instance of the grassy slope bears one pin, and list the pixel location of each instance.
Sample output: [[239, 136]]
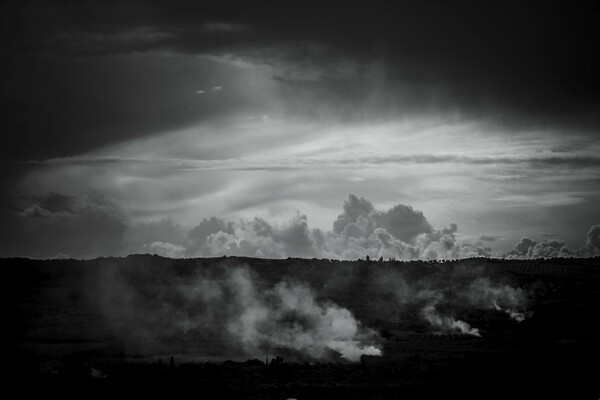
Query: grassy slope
[[53, 316]]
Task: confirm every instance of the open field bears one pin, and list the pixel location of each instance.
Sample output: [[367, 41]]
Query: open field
[[471, 328]]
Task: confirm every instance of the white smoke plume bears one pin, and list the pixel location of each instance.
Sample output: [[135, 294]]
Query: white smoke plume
[[516, 315], [441, 299], [484, 293], [289, 316], [315, 310], [448, 324], [234, 309]]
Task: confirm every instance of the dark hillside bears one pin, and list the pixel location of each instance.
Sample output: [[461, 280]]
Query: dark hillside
[[345, 329]]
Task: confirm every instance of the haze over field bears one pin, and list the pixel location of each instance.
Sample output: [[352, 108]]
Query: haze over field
[[192, 129], [231, 307]]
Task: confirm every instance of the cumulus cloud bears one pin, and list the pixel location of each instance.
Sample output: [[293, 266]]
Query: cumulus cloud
[[593, 237], [165, 249], [359, 217], [198, 236], [522, 249], [93, 225], [551, 248], [359, 231], [548, 248], [402, 222], [353, 209], [259, 238], [592, 244]]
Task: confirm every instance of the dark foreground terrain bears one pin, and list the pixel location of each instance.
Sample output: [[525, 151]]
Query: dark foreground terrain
[[150, 327]]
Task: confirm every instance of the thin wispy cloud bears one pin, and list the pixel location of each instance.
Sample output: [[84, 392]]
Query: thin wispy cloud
[[333, 162]]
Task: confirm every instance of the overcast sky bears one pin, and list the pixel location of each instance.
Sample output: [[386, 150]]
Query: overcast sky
[[128, 125]]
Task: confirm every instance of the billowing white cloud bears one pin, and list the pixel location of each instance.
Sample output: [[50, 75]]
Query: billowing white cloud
[[550, 249], [400, 232], [592, 244], [361, 230], [553, 248]]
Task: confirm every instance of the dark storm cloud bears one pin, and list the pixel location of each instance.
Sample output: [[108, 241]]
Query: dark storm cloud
[[495, 58], [56, 107]]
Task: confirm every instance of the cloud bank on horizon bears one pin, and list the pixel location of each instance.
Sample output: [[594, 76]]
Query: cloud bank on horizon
[[63, 226]]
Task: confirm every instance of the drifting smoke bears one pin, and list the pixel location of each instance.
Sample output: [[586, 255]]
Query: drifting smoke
[[445, 323], [310, 310], [499, 297], [444, 298], [516, 315], [288, 316], [234, 310]]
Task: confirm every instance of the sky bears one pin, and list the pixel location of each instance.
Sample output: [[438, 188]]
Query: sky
[[303, 129]]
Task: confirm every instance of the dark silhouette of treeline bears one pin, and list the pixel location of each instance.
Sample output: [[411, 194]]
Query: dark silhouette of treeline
[[34, 270], [524, 374]]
